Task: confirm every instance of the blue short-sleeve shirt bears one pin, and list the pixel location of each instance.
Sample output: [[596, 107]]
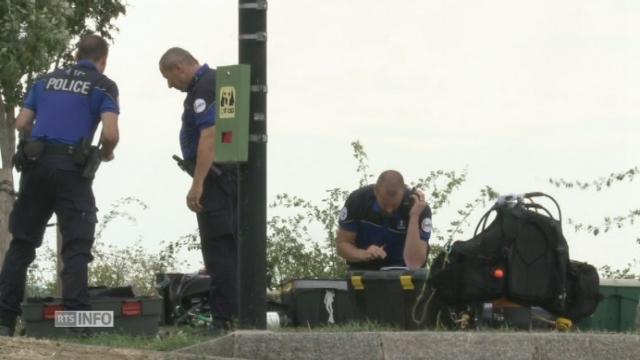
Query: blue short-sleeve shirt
[[362, 215], [68, 103], [199, 110]]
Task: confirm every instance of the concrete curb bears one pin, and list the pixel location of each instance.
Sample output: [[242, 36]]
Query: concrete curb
[[24, 348], [421, 345]]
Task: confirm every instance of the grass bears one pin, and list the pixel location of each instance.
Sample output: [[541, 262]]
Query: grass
[[168, 338], [174, 337]]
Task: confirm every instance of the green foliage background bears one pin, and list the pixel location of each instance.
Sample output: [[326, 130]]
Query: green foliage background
[[294, 250]]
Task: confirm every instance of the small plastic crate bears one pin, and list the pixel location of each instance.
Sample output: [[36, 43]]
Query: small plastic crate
[[316, 302], [386, 296], [132, 316]]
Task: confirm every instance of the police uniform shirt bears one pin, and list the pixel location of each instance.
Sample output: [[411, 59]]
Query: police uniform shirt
[[69, 102], [199, 110], [362, 215]]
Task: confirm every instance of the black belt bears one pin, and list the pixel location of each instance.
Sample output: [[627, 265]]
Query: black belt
[[59, 149]]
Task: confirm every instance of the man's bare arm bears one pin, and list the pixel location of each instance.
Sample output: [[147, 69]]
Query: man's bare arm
[[24, 121], [206, 155], [415, 249], [347, 249], [204, 161], [110, 134]]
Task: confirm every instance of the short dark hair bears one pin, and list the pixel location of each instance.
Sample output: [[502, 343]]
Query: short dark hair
[[92, 47], [390, 181], [174, 56]]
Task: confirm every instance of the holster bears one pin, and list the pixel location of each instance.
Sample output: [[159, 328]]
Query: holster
[[189, 166], [92, 163], [87, 157], [28, 152]]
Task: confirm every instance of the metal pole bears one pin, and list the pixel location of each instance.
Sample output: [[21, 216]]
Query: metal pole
[[252, 253]]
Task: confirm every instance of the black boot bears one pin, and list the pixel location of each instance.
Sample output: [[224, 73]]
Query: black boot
[[7, 327], [6, 330]]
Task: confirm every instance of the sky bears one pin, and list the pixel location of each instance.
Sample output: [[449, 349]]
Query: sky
[[513, 92]]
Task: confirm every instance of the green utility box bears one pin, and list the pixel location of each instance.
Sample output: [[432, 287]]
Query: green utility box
[[387, 296], [312, 303], [233, 91], [132, 316], [617, 311]]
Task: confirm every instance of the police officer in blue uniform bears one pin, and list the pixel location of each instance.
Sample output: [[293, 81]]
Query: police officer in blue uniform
[[60, 115], [384, 225], [213, 190]]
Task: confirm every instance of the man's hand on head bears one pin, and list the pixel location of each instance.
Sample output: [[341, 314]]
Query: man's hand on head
[[419, 204]]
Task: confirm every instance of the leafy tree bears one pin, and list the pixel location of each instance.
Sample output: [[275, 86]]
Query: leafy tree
[[34, 36]]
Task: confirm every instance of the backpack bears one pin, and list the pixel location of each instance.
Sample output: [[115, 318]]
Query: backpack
[[523, 256], [583, 293]]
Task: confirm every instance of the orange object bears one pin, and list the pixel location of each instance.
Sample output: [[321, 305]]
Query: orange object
[[49, 311], [498, 273], [505, 303], [131, 308]]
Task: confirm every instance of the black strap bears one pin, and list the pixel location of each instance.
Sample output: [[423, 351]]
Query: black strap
[[59, 149], [531, 195]]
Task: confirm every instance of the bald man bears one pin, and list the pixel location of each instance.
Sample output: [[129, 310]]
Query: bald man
[[384, 225], [212, 195]]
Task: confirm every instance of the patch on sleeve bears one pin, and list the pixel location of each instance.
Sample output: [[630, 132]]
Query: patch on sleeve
[[426, 225], [199, 105], [343, 214]]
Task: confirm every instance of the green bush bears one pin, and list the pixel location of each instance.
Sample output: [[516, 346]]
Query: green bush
[[293, 252], [113, 266]]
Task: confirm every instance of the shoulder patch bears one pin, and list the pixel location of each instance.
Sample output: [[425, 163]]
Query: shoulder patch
[[199, 105], [426, 225], [343, 214]]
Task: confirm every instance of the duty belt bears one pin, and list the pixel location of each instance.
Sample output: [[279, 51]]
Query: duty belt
[[59, 149]]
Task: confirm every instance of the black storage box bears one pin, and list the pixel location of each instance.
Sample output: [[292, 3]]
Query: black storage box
[[316, 302], [133, 316], [387, 296]]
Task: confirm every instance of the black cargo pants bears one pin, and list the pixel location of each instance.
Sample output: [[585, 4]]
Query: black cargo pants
[[52, 185], [218, 224]]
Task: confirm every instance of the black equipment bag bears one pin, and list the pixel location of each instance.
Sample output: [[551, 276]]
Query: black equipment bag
[[522, 255], [583, 293], [184, 295]]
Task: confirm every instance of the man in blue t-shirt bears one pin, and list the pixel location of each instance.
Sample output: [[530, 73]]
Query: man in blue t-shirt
[[61, 112], [212, 195], [384, 225]]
